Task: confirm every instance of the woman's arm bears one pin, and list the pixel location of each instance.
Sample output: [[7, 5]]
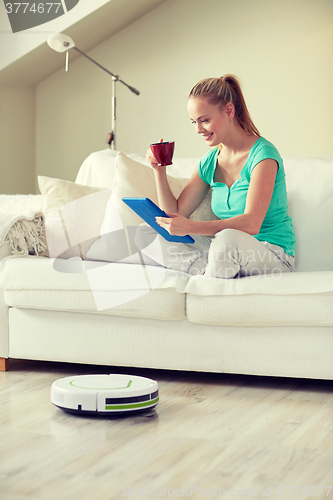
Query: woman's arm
[[165, 198], [192, 195], [257, 202], [189, 199]]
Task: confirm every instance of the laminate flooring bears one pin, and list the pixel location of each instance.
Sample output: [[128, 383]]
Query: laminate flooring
[[211, 435]]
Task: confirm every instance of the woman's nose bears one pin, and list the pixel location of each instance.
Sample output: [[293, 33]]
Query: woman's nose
[[199, 128]]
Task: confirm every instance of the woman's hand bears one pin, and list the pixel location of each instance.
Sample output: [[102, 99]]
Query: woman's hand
[[152, 160], [175, 224]]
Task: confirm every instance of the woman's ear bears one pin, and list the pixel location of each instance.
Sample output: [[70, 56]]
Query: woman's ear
[[230, 110]]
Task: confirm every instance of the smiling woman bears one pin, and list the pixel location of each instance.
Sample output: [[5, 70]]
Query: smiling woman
[[254, 233]]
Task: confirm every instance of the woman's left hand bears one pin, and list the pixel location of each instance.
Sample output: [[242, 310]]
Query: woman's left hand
[[175, 224]]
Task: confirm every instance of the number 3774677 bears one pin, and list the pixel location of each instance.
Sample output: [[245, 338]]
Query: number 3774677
[[36, 8]]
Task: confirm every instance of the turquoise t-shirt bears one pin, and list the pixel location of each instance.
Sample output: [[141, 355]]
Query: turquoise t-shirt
[[277, 227]]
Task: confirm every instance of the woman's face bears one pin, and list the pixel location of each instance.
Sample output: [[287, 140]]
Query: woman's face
[[210, 121]]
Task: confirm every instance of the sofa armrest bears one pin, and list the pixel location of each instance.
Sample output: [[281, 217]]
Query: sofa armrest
[[4, 336], [5, 251]]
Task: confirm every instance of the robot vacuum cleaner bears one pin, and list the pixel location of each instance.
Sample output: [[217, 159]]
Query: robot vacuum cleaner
[[104, 394]]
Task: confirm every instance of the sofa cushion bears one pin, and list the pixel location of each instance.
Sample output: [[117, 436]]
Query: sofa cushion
[[298, 299], [75, 285], [98, 169], [73, 216], [310, 200]]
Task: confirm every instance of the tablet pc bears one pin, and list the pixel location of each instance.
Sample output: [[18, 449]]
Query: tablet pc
[[147, 210]]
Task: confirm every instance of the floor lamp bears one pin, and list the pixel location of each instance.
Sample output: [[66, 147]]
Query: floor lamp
[[63, 43]]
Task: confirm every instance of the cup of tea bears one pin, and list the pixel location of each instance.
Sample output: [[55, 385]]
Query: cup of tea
[[163, 152]]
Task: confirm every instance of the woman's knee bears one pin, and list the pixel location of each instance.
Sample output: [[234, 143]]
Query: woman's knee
[[227, 238]]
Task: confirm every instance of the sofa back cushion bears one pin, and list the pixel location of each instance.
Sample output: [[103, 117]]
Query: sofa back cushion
[[98, 169], [310, 200]]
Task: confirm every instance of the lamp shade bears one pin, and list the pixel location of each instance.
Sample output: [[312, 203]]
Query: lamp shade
[[60, 42]]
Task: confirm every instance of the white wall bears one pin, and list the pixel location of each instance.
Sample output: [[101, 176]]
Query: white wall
[[17, 139], [280, 49]]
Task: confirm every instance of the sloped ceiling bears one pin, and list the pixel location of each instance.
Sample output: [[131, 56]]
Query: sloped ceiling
[[87, 33]]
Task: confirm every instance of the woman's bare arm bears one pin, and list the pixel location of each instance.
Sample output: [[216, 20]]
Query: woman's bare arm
[[190, 198]]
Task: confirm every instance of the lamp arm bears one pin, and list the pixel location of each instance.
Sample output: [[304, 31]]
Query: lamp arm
[[116, 78], [92, 60], [132, 89]]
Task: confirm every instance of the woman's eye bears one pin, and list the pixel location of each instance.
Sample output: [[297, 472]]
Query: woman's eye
[[201, 121]]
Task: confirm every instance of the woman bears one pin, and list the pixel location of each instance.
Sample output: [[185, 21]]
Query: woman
[[254, 233]]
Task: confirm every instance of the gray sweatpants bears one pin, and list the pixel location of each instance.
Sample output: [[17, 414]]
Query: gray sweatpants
[[229, 254]]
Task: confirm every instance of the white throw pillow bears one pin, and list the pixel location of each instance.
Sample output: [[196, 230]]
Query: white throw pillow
[[114, 245], [73, 216]]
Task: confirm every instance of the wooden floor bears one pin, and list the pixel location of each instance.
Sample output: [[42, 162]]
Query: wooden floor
[[249, 436]]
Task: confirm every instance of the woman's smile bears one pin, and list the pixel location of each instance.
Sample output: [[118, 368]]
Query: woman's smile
[[207, 136]]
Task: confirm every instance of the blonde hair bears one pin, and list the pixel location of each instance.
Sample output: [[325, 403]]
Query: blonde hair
[[220, 91]]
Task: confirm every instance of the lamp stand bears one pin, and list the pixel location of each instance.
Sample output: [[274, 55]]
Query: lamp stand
[[114, 110], [111, 138], [63, 43]]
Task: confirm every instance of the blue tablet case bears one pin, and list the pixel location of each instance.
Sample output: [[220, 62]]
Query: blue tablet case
[[147, 210]]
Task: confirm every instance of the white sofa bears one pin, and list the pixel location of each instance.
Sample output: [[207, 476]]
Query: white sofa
[[145, 316]]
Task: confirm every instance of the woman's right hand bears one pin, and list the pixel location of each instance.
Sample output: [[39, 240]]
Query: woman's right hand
[[152, 160]]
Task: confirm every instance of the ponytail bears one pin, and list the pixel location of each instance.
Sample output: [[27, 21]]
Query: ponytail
[[220, 91]]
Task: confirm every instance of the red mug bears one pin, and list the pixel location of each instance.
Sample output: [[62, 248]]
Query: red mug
[[163, 152]]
